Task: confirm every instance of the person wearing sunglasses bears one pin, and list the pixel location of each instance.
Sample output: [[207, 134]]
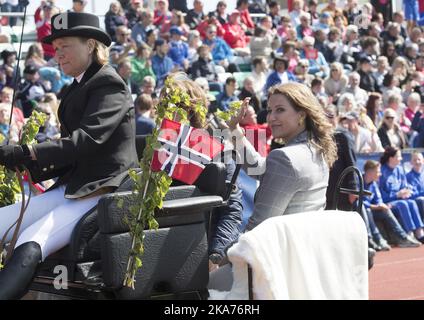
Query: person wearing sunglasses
[[390, 132]]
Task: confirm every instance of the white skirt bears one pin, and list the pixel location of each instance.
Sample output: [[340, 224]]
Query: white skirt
[[49, 219]]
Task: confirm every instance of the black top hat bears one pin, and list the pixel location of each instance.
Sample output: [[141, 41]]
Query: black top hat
[[74, 24]]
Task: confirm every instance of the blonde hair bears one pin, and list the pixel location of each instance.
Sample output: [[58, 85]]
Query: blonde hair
[[181, 81], [100, 53], [320, 130]]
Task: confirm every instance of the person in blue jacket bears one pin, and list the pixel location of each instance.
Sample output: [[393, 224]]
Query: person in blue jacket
[[381, 211], [396, 191], [162, 65], [178, 49], [415, 178], [280, 75]]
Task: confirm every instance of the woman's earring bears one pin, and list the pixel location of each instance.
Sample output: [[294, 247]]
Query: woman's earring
[[301, 121]]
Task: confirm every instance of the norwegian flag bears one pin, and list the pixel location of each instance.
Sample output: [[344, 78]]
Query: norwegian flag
[[185, 151]]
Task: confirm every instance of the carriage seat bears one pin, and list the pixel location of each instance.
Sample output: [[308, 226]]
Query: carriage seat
[[101, 240]]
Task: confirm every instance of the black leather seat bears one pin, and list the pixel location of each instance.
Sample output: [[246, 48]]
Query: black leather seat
[[176, 256]]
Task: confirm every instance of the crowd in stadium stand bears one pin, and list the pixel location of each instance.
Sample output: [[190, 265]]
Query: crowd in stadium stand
[[364, 63]]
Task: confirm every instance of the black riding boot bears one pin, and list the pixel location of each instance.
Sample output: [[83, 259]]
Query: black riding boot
[[19, 271]]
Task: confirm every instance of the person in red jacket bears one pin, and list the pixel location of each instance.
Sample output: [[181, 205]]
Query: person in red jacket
[[245, 18], [235, 36], [161, 13], [211, 20], [42, 18]]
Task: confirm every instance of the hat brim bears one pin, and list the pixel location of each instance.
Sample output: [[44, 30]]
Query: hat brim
[[83, 31]]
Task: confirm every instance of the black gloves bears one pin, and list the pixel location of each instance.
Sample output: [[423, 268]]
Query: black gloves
[[14, 156]]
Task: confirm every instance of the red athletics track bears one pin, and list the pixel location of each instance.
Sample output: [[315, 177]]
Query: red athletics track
[[398, 274]]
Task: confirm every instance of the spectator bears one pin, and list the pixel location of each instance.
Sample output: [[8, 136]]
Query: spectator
[[260, 74], [151, 37], [374, 108], [415, 179], [235, 36], [382, 211], [222, 54], [283, 29], [390, 132], [114, 18], [162, 64], [35, 56], [336, 82], [140, 29], [259, 135], [389, 51], [365, 141], [124, 47], [9, 68], [141, 65], [370, 49], [196, 15], [318, 90], [271, 34], [178, 50], [396, 191], [301, 72], [4, 122], [296, 11], [317, 64], [418, 126], [148, 87], [390, 88], [334, 46], [292, 55], [304, 28], [346, 103], [412, 106], [133, 13], [280, 75], [400, 70], [274, 13], [210, 20], [124, 70], [393, 35], [177, 20], [221, 14], [352, 47], [203, 66], [161, 13], [382, 69], [42, 18], [324, 23], [194, 42], [224, 99], [248, 91], [78, 5], [367, 82], [360, 95], [31, 90], [243, 7], [260, 45], [144, 107]]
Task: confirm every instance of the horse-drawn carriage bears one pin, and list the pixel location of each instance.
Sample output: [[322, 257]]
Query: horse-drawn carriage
[[175, 261]]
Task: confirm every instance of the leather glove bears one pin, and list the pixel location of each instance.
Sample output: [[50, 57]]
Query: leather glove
[[14, 156]]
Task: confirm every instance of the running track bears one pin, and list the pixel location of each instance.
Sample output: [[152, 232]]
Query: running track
[[398, 274]]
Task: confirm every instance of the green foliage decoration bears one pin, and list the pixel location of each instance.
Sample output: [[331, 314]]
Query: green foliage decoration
[[9, 185]]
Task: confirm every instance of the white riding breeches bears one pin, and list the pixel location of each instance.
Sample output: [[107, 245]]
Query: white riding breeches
[[49, 219]]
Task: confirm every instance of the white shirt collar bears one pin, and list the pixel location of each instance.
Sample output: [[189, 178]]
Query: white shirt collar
[[79, 78]]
